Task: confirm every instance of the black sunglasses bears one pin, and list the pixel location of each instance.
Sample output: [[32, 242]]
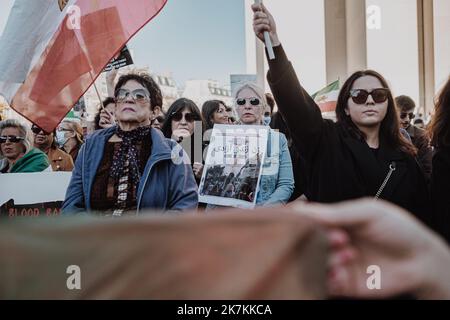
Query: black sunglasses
[[13, 139], [36, 130], [360, 96], [253, 101], [411, 115], [138, 95], [190, 117]]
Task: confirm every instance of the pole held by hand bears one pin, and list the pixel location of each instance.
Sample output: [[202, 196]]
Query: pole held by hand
[[267, 40]]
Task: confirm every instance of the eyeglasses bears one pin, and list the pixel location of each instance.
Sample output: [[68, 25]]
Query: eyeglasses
[[190, 117], [360, 96], [160, 119], [12, 139], [253, 101], [403, 115], [36, 130], [138, 95]]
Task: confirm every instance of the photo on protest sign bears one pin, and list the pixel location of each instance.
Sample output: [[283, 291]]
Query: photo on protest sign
[[233, 165], [123, 59]]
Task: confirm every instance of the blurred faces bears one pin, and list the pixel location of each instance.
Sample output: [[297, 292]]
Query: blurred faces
[[133, 105], [183, 123], [220, 116], [249, 107], [158, 122], [64, 133], [405, 118], [42, 140], [12, 147], [367, 110], [107, 118]]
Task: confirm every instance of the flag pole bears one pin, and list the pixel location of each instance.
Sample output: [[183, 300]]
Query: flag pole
[[267, 40]]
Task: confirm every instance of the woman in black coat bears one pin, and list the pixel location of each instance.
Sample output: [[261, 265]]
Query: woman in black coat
[[363, 154], [440, 177]]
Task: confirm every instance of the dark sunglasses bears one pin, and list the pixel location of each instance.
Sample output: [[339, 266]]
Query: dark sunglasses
[[360, 96], [12, 139], [138, 95], [267, 114], [253, 101], [160, 119], [190, 117], [37, 130], [411, 115]]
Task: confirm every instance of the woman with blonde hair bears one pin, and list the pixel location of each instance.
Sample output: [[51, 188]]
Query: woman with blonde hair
[[16, 149], [70, 137]]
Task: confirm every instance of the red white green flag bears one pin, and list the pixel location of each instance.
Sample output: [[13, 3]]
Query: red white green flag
[[326, 98]]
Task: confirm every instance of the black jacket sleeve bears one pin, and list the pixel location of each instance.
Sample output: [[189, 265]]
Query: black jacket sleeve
[[301, 113]]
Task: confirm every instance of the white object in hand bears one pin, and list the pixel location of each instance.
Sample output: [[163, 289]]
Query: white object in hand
[[267, 40]]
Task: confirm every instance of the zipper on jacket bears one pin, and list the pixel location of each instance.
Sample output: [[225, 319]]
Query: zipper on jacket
[[392, 168]]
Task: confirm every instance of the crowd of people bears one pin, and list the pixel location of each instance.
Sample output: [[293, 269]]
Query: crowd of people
[[132, 163]]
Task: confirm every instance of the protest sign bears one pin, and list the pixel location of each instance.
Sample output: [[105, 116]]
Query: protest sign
[[123, 59], [233, 165], [33, 194]]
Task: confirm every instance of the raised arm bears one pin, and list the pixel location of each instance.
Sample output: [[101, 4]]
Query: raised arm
[[301, 113]]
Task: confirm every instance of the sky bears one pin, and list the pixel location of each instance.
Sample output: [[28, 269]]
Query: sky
[[190, 39]]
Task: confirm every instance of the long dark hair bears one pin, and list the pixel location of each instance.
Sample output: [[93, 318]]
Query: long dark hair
[[105, 102], [389, 128], [440, 125], [208, 109], [178, 106]]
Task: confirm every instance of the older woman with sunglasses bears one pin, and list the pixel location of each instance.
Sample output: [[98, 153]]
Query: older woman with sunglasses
[[130, 167], [277, 180], [364, 153], [16, 149]]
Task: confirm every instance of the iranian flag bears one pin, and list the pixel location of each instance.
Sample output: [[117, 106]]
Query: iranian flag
[[51, 51], [327, 97]]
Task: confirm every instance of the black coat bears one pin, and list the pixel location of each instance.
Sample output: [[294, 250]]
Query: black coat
[[340, 166], [440, 191]]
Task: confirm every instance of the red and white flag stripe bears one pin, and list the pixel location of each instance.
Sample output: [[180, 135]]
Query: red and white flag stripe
[[52, 51]]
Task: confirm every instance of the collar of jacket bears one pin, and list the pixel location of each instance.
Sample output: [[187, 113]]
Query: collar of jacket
[[94, 148]]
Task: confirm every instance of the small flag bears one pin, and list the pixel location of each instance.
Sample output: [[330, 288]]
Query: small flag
[[326, 98]]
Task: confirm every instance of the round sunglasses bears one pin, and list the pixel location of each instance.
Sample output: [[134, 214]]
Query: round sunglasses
[[190, 117], [243, 101], [360, 96]]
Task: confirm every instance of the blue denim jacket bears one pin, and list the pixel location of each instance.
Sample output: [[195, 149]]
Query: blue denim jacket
[[167, 182], [277, 180]]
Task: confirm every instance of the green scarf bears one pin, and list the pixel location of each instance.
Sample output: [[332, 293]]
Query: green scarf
[[33, 161]]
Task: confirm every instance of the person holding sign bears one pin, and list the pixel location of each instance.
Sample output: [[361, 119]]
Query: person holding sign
[[131, 166], [277, 178], [364, 153]]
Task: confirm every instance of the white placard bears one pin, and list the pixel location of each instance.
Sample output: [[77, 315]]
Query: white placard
[[27, 188], [233, 165]]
